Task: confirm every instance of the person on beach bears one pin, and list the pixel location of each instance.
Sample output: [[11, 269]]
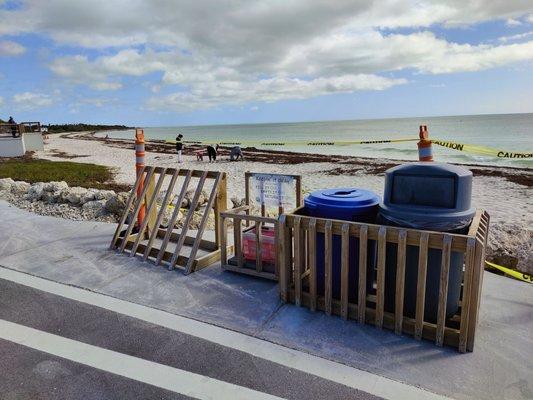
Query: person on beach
[[212, 152], [179, 147], [236, 153], [14, 129]]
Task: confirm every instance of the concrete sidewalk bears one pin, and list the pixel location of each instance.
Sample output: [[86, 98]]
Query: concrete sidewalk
[[76, 253]]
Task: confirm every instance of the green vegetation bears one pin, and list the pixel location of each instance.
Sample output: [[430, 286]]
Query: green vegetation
[[60, 128], [75, 174]]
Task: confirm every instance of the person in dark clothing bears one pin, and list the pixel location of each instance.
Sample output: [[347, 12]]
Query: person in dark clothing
[[179, 147], [212, 152], [236, 153], [14, 128]]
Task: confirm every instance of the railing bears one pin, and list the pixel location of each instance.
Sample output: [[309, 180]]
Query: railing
[[300, 236], [17, 130]]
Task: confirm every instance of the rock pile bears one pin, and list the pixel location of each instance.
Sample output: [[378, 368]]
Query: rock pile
[[60, 200]]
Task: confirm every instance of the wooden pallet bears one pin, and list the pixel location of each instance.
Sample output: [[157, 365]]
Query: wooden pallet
[[176, 248], [298, 273]]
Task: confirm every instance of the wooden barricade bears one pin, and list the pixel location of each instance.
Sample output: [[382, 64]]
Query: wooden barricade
[[298, 272], [242, 215], [174, 247]]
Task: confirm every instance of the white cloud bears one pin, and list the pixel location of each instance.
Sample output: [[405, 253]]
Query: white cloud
[[30, 100], [513, 22], [518, 36], [9, 48], [219, 52]]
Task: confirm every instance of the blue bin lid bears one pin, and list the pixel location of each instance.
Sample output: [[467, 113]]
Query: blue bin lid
[[352, 198]]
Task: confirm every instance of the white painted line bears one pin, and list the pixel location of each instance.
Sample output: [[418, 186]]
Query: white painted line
[[162, 376], [335, 372]]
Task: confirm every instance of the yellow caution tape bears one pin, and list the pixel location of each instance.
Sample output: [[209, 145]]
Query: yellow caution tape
[[487, 151], [468, 148], [301, 142], [511, 272]]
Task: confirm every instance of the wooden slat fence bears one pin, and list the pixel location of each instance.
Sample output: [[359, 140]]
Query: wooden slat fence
[[375, 242]]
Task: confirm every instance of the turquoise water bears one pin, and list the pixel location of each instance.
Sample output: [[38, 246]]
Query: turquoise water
[[507, 132]]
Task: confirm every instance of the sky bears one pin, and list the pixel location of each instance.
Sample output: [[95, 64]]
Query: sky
[[201, 62]]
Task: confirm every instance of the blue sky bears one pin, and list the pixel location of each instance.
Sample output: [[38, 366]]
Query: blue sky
[[217, 62]]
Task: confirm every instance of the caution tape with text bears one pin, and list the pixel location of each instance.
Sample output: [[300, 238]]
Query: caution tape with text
[[467, 148]]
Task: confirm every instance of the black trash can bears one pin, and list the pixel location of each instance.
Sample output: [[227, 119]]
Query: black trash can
[[348, 204], [428, 196]]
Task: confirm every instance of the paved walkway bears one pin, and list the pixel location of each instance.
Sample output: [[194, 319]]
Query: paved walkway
[[75, 253]]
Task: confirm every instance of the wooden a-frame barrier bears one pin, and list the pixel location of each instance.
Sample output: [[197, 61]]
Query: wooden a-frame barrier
[[176, 249]]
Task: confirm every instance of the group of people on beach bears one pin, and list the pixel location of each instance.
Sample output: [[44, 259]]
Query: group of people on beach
[[211, 150]]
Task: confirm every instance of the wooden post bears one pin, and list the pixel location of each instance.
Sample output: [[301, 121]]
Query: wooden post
[[380, 285], [312, 264], [443, 289], [400, 282], [221, 205], [297, 262], [361, 298], [421, 284], [328, 273], [345, 269]]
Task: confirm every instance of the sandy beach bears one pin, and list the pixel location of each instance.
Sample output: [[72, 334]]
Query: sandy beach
[[504, 192]]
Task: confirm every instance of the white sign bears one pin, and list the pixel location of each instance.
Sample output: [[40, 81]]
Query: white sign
[[273, 190]]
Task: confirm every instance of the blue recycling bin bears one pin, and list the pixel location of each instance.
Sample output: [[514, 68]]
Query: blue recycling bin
[[346, 204], [428, 196]]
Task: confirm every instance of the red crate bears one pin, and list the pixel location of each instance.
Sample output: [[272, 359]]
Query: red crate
[[268, 248]]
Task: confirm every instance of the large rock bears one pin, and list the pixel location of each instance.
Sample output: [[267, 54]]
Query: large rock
[[6, 184], [104, 194], [20, 187], [55, 186], [117, 204], [89, 195], [95, 206], [73, 195], [238, 202], [35, 191], [51, 197]]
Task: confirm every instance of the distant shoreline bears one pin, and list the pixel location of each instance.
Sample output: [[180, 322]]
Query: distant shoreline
[[347, 164]]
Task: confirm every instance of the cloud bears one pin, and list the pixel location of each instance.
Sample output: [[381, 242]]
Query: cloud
[[218, 52], [518, 36], [30, 100], [9, 48]]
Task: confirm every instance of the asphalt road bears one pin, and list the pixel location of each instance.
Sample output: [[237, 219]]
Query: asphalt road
[[38, 325]]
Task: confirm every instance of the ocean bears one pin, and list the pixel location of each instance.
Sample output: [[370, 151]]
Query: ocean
[[506, 133]]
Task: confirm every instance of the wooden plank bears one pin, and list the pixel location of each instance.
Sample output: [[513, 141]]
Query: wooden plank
[[421, 285], [284, 267], [467, 288], [138, 204], [297, 262], [475, 293], [345, 268], [328, 273], [221, 205], [247, 176], [162, 211], [127, 209], [174, 217], [276, 246], [203, 224], [312, 264], [361, 294], [192, 208], [380, 284], [298, 190], [237, 240], [208, 245], [443, 288], [149, 211], [258, 249], [223, 241], [251, 272], [400, 282]]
